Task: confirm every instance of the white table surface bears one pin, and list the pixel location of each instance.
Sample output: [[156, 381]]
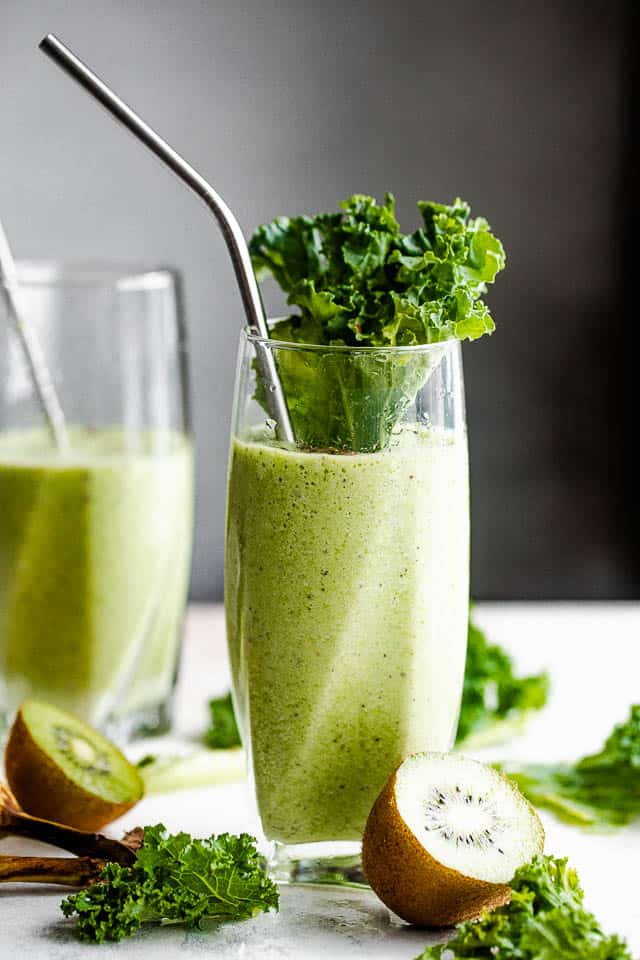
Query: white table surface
[[593, 654]]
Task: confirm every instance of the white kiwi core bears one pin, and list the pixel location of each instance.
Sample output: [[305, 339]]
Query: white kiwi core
[[467, 816]]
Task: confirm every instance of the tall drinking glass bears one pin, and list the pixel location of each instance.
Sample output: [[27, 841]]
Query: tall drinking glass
[[347, 582], [95, 541]]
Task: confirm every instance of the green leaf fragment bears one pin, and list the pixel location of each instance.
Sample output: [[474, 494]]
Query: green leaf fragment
[[223, 730], [495, 702], [600, 791], [197, 768]]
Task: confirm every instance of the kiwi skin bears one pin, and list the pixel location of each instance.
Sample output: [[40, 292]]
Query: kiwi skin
[[410, 881], [42, 789]]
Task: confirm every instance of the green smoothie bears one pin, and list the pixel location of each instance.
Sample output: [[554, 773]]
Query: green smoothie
[[94, 557], [347, 601]]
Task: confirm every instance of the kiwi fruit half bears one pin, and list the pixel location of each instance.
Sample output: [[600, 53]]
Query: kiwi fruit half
[[445, 837], [61, 769]]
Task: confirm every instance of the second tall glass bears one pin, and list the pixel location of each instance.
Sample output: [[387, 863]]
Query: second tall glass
[[95, 540], [347, 579]]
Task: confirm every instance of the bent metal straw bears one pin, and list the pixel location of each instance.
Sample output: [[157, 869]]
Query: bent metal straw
[[236, 244]]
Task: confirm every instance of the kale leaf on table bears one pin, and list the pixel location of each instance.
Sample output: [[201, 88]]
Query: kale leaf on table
[[495, 702], [599, 791], [545, 920], [174, 879], [358, 281], [222, 732]]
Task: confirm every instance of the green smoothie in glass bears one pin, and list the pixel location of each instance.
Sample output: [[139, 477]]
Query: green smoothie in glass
[[94, 556], [347, 558], [348, 609], [96, 524]]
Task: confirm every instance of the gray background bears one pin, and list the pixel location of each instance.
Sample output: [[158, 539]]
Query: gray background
[[291, 105]]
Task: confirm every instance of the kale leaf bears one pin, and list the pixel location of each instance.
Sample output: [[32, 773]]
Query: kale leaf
[[545, 920], [223, 731], [599, 791], [357, 280], [495, 702], [174, 879]]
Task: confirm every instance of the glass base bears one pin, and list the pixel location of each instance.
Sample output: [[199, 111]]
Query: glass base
[[332, 863], [148, 722]]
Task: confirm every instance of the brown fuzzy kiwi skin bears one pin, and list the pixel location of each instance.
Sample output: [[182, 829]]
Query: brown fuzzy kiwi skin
[[410, 881], [51, 795]]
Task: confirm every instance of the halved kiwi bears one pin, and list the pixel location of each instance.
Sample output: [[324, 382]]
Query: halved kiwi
[[445, 837], [61, 769]]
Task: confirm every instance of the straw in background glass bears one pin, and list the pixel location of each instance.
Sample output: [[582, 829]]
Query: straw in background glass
[[42, 381]]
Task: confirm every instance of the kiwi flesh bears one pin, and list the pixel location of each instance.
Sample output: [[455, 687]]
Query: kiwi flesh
[[445, 837], [59, 768]]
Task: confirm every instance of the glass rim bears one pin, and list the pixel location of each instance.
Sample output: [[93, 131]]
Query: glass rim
[[134, 276], [253, 336]]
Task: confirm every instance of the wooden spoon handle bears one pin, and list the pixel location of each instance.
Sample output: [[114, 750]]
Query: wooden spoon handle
[[68, 838], [67, 871]]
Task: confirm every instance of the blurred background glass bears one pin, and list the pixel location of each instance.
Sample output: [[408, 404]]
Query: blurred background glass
[[525, 110], [95, 540]]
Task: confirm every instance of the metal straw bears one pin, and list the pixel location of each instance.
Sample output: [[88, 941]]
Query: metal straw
[[64, 58], [42, 381]]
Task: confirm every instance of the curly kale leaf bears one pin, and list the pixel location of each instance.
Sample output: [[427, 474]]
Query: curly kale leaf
[[545, 920], [174, 879], [357, 280], [495, 702], [223, 730], [599, 791]]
